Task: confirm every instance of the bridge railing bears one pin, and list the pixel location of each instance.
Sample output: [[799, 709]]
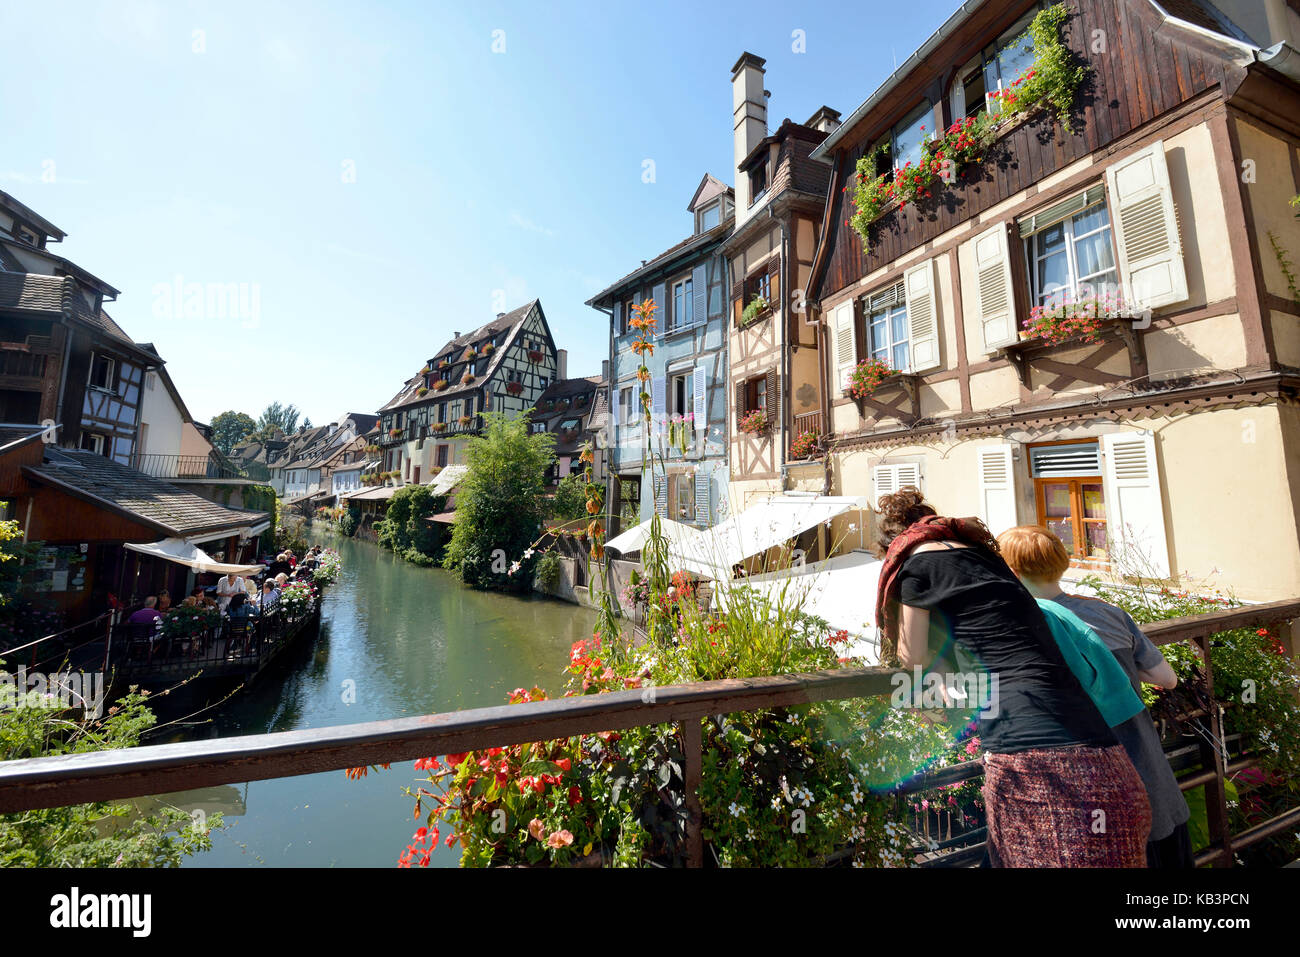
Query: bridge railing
[[158, 769]]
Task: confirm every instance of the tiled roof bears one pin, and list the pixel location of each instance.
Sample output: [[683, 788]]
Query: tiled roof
[[35, 291], [150, 500]]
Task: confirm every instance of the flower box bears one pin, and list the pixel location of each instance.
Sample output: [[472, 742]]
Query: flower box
[[805, 445], [440, 385], [465, 420], [444, 364], [758, 307], [488, 348], [438, 426], [394, 433], [753, 422], [514, 388], [422, 391], [534, 356], [869, 375], [468, 354], [467, 378]]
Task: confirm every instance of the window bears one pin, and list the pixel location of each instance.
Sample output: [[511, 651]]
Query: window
[[1069, 496], [710, 216], [441, 456], [887, 327], [627, 316], [94, 442], [101, 373], [26, 235], [683, 313], [684, 498], [888, 479], [756, 394], [902, 144], [626, 410], [681, 396], [1070, 255], [757, 183], [538, 427], [994, 69], [543, 381]]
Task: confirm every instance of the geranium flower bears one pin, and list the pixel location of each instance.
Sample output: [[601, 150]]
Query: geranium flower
[[537, 829], [560, 839]]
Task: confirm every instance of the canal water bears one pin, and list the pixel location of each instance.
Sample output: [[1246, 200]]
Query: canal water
[[396, 640]]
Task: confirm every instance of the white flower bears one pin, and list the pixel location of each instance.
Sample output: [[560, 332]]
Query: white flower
[[736, 809], [528, 553], [514, 567], [776, 803]]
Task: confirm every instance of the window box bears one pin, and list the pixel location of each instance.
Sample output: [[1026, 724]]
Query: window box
[[466, 420], [514, 388], [754, 422], [535, 356], [440, 385], [758, 308], [444, 364], [869, 376], [467, 378]]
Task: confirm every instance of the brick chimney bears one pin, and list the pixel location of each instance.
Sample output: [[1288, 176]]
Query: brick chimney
[[749, 121]]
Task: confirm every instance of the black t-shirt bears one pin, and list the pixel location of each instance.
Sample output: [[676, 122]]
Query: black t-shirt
[[982, 616]]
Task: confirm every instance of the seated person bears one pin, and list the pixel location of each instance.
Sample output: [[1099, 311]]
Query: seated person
[[148, 614], [270, 596], [1039, 558], [279, 566], [164, 601], [240, 609]]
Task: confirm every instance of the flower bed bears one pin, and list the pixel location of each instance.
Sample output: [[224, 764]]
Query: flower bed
[[753, 422], [868, 376], [1050, 81]]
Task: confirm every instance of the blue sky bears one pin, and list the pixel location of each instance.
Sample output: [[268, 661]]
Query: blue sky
[[377, 177]]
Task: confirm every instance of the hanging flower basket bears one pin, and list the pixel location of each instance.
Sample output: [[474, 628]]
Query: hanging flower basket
[[534, 356], [868, 376], [754, 422], [514, 388]]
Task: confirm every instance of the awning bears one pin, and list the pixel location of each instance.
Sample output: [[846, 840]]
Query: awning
[[378, 494], [447, 479], [764, 525], [635, 538], [842, 590], [444, 518], [184, 553]]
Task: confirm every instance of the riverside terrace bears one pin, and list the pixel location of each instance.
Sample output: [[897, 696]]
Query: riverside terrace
[[136, 772]]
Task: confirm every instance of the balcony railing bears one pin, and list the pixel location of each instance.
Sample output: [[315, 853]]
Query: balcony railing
[[57, 781], [167, 466], [809, 422]]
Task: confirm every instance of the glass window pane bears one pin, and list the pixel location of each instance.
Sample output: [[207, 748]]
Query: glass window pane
[[1094, 504], [1093, 253], [1015, 58], [1094, 217], [1051, 239], [898, 322], [908, 136], [1056, 500], [900, 357], [1053, 274], [1096, 544]]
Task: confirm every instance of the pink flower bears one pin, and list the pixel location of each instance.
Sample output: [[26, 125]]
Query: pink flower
[[559, 839], [537, 829]]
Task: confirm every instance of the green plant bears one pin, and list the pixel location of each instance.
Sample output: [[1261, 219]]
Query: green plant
[[755, 307], [103, 834], [867, 377], [185, 620], [500, 503], [1285, 264], [548, 571], [405, 528], [570, 500]]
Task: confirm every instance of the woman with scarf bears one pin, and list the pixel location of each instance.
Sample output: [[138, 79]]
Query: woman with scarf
[[1059, 791]]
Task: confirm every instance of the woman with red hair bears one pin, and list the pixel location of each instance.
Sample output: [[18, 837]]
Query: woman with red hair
[[1059, 790]]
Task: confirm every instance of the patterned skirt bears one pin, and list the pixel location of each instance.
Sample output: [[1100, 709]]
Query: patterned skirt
[[1065, 807]]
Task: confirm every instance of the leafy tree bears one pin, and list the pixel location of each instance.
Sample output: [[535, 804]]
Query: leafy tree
[[306, 424], [405, 527], [570, 501], [500, 504], [230, 429], [277, 416]]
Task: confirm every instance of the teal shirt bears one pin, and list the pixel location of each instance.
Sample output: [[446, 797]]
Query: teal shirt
[[1102, 677]]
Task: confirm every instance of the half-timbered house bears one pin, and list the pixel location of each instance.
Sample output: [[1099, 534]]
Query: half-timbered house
[[688, 374], [1157, 443], [503, 366], [775, 373]]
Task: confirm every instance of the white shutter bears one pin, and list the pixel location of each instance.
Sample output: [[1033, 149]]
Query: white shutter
[[662, 309], [846, 347], [658, 402], [702, 497], [1146, 230], [1135, 511], [922, 316], [995, 297], [699, 294], [618, 318], [661, 495], [701, 409], [887, 479], [997, 488]]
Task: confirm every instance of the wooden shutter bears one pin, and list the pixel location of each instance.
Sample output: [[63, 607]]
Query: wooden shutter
[[702, 485], [846, 344], [737, 301], [922, 317], [618, 317], [701, 409], [883, 482], [995, 295], [1146, 230], [997, 488], [740, 402], [699, 293], [773, 400], [660, 295], [1135, 511], [661, 496], [774, 282], [658, 401]]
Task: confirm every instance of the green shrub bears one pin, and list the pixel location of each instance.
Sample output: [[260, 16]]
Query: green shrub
[[548, 571]]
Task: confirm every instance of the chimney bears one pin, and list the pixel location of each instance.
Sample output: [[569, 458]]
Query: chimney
[[604, 370], [749, 121], [825, 120], [561, 364]]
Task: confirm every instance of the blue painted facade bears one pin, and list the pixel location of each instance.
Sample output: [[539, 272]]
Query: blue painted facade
[[688, 377]]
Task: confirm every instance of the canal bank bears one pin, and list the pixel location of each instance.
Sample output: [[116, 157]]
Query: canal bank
[[396, 640]]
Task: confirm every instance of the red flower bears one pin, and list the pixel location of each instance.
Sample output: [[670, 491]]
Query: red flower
[[575, 795], [564, 764]]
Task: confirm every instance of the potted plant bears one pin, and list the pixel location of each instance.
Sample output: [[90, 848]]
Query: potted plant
[[468, 354], [804, 445], [467, 378], [757, 306], [438, 426], [534, 356], [444, 364], [465, 420], [394, 433], [488, 348], [1075, 317], [868, 376], [754, 422], [439, 385]]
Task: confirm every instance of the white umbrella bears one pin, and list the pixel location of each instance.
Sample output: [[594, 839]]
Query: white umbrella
[[183, 553], [635, 538]]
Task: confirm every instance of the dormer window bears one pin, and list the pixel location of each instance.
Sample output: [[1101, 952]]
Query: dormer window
[[994, 70], [710, 216], [26, 235]]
